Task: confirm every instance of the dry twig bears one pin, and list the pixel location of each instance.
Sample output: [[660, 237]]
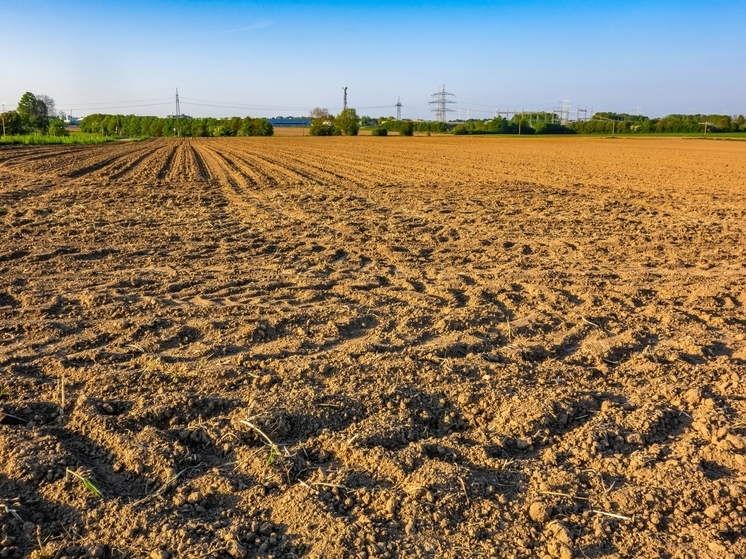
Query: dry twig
[[163, 488], [259, 431], [612, 515], [333, 485], [558, 494]]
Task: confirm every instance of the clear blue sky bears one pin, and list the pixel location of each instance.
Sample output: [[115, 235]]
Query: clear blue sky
[[267, 59]]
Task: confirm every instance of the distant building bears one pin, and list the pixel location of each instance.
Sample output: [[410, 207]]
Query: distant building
[[70, 120], [290, 121]]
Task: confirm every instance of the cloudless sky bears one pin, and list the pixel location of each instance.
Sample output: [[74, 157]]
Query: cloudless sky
[[236, 58]]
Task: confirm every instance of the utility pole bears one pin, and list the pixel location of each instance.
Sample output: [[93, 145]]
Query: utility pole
[[440, 102], [3, 118], [565, 111], [345, 97], [178, 112], [398, 109]]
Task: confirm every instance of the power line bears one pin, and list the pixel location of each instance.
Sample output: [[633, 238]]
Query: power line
[[94, 109], [379, 107], [535, 106], [115, 103], [242, 107], [228, 105], [565, 111]]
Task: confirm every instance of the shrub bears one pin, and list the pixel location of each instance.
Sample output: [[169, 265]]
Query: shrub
[[379, 132], [321, 129], [255, 127], [57, 128], [406, 128], [552, 128]]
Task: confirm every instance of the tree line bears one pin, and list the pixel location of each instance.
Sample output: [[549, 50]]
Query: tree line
[[622, 123], [36, 114], [603, 123], [408, 127], [527, 123], [133, 126]]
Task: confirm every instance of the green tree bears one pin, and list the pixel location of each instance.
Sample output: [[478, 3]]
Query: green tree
[[33, 113], [406, 128], [262, 127], [12, 124], [724, 123], [220, 130], [255, 127], [57, 128], [235, 125], [347, 122], [322, 123]]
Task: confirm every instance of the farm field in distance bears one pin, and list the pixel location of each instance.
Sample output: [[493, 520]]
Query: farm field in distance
[[373, 348]]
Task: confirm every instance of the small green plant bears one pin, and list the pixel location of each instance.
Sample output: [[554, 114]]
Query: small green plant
[[4, 391], [201, 364], [176, 372], [87, 483], [150, 366], [3, 210], [272, 458]]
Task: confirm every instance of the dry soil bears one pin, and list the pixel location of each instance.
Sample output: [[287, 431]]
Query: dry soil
[[373, 348]]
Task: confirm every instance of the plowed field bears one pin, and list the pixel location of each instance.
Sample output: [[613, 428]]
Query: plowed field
[[373, 348]]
